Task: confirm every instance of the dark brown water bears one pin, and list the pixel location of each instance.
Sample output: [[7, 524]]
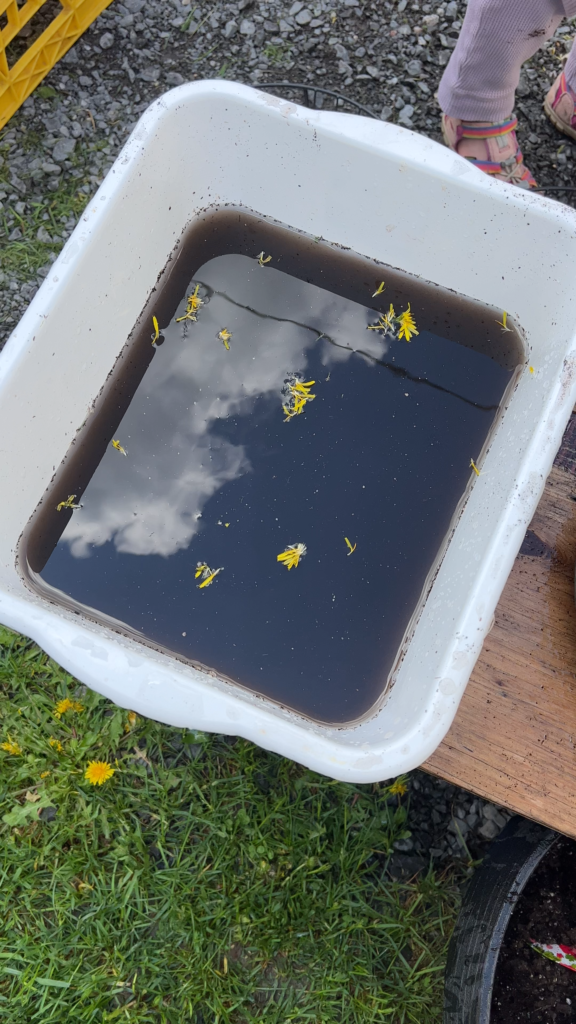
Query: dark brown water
[[215, 475]]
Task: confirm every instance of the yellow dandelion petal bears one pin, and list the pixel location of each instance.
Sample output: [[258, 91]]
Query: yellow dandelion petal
[[98, 772], [44, 775], [474, 467], [379, 289], [156, 334], [531, 369], [56, 745], [119, 448], [503, 323], [407, 324], [291, 556], [225, 336], [210, 576], [262, 260], [350, 546], [69, 503]]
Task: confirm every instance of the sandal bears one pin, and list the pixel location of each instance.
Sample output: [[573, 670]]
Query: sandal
[[560, 104], [491, 146]]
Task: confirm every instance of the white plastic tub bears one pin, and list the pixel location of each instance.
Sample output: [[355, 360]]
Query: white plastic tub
[[389, 194]]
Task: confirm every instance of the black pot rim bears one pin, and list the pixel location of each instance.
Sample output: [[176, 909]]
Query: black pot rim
[[488, 905]]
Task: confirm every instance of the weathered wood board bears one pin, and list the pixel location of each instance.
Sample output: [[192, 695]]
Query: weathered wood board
[[514, 737]]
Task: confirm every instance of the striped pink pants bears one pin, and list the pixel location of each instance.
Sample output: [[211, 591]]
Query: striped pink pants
[[496, 38]]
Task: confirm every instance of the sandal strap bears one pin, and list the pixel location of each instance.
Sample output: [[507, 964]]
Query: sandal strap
[[491, 131]]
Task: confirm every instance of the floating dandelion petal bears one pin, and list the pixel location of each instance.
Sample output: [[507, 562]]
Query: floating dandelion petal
[[69, 503], [351, 547], [407, 324], [193, 303], [156, 334], [474, 467], [503, 323], [262, 260], [296, 393], [98, 772], [208, 575], [291, 556], [224, 336], [119, 448], [386, 323], [379, 289]]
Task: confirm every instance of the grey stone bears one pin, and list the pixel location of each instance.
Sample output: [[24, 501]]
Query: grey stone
[[451, 10], [14, 235], [230, 29], [42, 235], [414, 67], [247, 28], [372, 71], [134, 6], [489, 830], [402, 6], [341, 52], [304, 18], [296, 8], [404, 845], [405, 115], [174, 78], [84, 80], [344, 68], [491, 813], [360, 52], [150, 74], [106, 40], [430, 21], [63, 150], [127, 21], [285, 27]]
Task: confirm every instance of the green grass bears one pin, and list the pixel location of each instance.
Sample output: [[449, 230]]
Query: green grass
[[207, 881], [24, 257]]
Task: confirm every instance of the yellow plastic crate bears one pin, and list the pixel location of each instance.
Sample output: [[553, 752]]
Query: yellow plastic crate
[[18, 81]]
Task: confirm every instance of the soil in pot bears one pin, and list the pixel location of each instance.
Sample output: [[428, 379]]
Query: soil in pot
[[528, 988]]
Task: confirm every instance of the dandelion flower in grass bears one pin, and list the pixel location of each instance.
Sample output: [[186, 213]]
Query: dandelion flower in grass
[[56, 744], [44, 775], [11, 747], [407, 324], [98, 772], [291, 556], [67, 705], [398, 788]]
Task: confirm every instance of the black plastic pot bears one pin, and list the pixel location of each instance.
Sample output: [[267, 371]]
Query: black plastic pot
[[486, 911]]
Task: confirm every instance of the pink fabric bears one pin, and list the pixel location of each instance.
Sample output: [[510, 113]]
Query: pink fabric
[[496, 38]]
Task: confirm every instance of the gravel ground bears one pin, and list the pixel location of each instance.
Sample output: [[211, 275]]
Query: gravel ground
[[56, 150]]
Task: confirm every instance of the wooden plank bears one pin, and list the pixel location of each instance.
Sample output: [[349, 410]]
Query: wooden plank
[[514, 737]]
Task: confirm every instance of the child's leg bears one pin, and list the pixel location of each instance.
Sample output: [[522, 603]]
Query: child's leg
[[496, 38]]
